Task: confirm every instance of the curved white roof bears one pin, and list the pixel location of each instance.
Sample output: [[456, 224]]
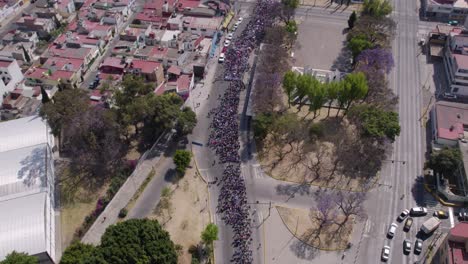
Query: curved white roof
[[26, 196]]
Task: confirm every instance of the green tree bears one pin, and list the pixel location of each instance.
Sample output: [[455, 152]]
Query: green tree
[[182, 160], [289, 84], [291, 26], [79, 253], [288, 9], [352, 19], [262, 124], [359, 43], [376, 122], [355, 87], [377, 8], [19, 258], [332, 90], [317, 96], [210, 234], [445, 161], [137, 241], [186, 121], [65, 106], [304, 84]]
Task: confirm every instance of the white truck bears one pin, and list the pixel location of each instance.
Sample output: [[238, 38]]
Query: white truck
[[430, 225]]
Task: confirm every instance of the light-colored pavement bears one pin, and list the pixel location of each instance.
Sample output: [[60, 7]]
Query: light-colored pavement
[[150, 197], [110, 215]]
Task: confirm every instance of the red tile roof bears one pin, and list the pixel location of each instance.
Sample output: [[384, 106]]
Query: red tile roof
[[148, 16], [158, 52], [450, 119], [158, 4], [174, 70], [113, 62], [42, 73], [183, 83], [462, 60], [181, 4], [61, 63], [5, 63], [145, 66], [460, 230]]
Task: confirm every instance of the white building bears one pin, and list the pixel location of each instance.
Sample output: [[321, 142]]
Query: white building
[[27, 221], [447, 9], [456, 64], [10, 75]]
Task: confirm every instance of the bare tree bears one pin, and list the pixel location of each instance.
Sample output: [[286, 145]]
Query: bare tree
[[350, 204]]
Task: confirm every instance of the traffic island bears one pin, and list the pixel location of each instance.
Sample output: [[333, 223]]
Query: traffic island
[[306, 227]]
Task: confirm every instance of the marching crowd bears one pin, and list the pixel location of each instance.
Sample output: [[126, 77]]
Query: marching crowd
[[224, 137]]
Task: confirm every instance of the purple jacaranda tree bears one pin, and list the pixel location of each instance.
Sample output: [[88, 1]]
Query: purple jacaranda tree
[[377, 59], [326, 208]]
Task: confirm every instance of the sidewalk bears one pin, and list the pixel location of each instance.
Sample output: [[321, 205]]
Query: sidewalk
[[110, 215]]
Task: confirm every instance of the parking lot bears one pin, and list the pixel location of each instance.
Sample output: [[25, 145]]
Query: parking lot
[[319, 42]]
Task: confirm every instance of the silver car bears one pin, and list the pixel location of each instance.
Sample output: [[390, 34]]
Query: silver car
[[392, 230], [385, 253]]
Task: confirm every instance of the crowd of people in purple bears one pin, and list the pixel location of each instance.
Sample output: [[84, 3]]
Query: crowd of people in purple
[[224, 137]]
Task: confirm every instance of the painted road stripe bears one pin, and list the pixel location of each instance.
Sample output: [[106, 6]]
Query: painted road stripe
[[452, 223]]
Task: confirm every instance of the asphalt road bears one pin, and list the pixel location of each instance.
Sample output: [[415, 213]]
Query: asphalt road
[[399, 186]]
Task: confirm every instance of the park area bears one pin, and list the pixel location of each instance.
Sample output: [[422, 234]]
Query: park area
[[306, 227], [184, 211]]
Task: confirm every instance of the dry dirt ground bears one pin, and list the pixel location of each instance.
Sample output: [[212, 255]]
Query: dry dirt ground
[[75, 206], [315, 162], [188, 212], [305, 227]]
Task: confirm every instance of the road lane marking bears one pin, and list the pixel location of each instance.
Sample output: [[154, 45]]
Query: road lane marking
[[452, 223], [260, 217]]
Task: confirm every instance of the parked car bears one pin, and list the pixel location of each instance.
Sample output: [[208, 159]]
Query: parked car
[[221, 58], [240, 20], [418, 246], [453, 23], [385, 253], [406, 245], [408, 224], [403, 215], [230, 36], [235, 26], [441, 214], [418, 211], [391, 230], [227, 43]]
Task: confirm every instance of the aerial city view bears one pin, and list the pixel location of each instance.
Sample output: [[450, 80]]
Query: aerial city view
[[234, 131]]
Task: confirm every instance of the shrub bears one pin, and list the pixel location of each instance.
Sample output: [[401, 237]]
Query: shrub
[[316, 130], [123, 213]]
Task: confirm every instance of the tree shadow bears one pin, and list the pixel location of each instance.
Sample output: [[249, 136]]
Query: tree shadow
[[343, 62], [418, 192], [171, 176], [292, 189], [33, 168], [302, 250]]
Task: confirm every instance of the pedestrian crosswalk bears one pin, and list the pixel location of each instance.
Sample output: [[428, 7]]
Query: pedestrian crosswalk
[[252, 171]]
